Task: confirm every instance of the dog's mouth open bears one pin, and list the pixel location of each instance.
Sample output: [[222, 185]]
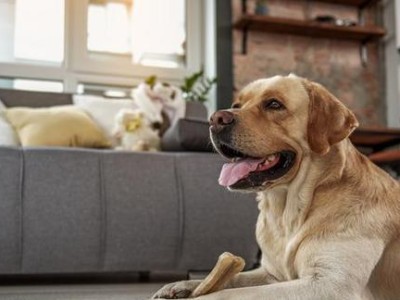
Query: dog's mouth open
[[246, 172]]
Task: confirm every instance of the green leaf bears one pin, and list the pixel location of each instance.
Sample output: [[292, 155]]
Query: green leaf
[[197, 86], [191, 80], [151, 80]]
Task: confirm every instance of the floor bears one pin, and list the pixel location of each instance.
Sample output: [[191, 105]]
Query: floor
[[132, 291], [118, 286]]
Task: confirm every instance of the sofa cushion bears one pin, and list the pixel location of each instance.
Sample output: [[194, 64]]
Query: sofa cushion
[[103, 111], [8, 136], [214, 218], [143, 211], [189, 135], [11, 184], [63, 211], [65, 126], [75, 211], [19, 98]]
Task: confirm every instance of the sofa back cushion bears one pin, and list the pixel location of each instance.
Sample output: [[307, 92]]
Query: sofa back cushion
[[62, 126], [18, 98]]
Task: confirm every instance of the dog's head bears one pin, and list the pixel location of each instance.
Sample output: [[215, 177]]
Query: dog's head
[[272, 125]]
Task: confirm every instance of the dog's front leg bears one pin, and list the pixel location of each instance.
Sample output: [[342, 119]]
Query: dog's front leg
[[255, 277], [300, 289], [183, 289], [327, 270], [177, 290]]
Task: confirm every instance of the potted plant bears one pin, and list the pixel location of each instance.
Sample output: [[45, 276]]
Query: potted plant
[[196, 88]]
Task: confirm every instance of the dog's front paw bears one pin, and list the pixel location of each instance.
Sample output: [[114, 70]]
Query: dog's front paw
[[177, 290]]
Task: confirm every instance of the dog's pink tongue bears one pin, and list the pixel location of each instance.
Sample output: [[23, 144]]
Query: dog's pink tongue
[[233, 172]]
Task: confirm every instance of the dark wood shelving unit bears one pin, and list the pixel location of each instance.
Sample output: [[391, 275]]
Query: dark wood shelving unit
[[358, 3], [360, 33], [309, 28]]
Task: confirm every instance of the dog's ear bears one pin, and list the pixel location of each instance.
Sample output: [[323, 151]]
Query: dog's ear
[[329, 121]]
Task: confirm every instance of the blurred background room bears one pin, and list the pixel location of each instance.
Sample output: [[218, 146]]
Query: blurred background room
[[104, 135]]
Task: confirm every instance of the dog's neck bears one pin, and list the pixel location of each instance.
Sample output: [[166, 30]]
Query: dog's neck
[[290, 203], [285, 208]]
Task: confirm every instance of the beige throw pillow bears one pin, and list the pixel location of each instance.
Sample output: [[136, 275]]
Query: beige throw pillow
[[63, 126], [103, 111], [8, 136]]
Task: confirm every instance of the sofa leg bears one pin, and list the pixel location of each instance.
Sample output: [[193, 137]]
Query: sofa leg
[[144, 276]]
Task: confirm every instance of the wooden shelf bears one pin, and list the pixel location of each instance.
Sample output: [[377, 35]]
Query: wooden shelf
[[358, 3], [309, 28], [377, 139]]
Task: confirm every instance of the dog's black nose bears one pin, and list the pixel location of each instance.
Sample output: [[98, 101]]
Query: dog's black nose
[[221, 119]]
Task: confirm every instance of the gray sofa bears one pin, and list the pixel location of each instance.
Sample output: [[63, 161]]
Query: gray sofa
[[76, 211]]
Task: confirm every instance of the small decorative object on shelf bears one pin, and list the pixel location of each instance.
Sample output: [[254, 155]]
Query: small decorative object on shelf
[[328, 19], [261, 8]]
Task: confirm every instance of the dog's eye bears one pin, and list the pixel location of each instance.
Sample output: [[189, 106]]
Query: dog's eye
[[236, 105], [273, 104]]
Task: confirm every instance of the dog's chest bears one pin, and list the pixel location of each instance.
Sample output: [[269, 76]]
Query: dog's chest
[[276, 239]]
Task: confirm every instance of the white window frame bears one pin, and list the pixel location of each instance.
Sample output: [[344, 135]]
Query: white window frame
[[82, 66]]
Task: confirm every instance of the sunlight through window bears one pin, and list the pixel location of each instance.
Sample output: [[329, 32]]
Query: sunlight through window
[[158, 27], [109, 27], [141, 28], [39, 30], [38, 85]]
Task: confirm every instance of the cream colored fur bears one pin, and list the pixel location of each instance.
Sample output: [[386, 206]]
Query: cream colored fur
[[329, 230]]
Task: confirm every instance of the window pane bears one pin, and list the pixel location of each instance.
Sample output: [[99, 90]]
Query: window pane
[[31, 85], [6, 83], [153, 31], [158, 27], [39, 30], [109, 26], [110, 91]]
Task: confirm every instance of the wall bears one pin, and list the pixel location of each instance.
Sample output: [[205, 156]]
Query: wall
[[334, 63]]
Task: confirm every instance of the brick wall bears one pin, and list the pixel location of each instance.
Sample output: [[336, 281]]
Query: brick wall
[[334, 63]]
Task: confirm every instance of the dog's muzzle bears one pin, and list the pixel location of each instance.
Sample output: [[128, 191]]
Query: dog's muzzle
[[221, 120]]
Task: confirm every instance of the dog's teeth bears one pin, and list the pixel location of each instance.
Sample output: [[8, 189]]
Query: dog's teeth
[[271, 157]]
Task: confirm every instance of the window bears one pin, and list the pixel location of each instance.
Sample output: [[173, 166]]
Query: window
[[39, 35], [38, 85], [165, 34], [150, 32], [99, 42], [31, 85], [30, 36], [109, 26], [110, 91]]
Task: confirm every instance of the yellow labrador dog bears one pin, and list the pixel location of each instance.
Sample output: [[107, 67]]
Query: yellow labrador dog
[[329, 222]]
